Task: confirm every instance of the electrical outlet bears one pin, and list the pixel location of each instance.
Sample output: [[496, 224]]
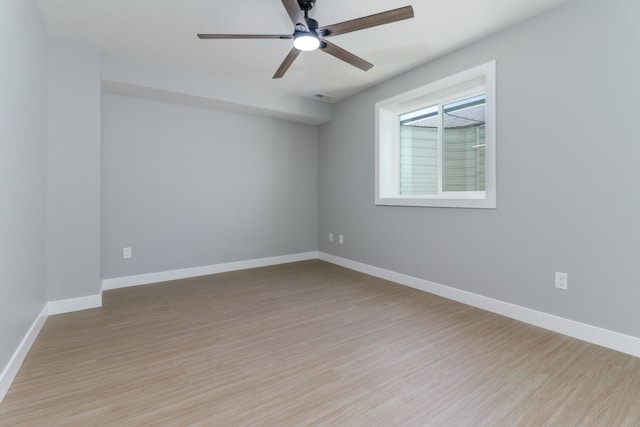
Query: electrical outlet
[[331, 237], [341, 239], [562, 280], [126, 253]]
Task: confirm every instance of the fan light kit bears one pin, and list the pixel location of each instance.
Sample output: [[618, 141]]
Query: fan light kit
[[308, 36], [306, 42]]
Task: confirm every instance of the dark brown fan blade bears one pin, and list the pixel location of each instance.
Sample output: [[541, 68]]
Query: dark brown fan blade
[[293, 54], [346, 56], [245, 36], [296, 14], [367, 21]]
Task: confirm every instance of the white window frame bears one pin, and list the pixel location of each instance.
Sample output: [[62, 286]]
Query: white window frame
[[466, 83]]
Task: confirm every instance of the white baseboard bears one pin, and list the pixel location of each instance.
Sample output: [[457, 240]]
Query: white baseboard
[[52, 307], [11, 370], [185, 273], [593, 334], [74, 304]]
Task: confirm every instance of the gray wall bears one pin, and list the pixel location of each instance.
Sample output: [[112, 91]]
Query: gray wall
[[568, 199], [73, 176], [23, 139], [185, 186]]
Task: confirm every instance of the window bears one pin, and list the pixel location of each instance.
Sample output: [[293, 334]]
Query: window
[[435, 145]]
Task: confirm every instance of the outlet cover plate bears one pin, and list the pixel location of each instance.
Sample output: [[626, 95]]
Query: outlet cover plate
[[562, 281]]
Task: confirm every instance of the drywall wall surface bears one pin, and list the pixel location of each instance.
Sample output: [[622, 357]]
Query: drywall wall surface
[[567, 174], [185, 186], [23, 139], [73, 176]]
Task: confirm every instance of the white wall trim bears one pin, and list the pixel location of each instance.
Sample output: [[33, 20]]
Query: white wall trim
[[52, 307], [185, 273], [593, 334], [11, 370], [74, 304]]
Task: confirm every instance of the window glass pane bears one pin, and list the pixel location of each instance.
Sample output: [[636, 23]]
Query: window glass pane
[[419, 152], [463, 145]]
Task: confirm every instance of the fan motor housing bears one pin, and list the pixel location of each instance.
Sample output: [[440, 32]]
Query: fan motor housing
[[312, 24]]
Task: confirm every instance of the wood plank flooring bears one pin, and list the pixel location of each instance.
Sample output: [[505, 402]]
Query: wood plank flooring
[[311, 343]]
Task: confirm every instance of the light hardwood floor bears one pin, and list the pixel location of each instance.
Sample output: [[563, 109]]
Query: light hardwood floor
[[311, 343]]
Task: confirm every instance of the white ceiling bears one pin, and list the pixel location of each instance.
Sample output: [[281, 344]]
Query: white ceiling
[[163, 32]]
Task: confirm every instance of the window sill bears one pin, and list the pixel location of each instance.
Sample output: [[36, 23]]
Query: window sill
[[438, 202]]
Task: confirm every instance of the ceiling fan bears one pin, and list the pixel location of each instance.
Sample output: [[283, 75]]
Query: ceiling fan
[[308, 36]]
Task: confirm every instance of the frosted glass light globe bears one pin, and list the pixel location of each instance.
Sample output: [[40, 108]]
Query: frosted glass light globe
[[306, 42]]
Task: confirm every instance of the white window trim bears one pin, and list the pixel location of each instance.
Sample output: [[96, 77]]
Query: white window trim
[[386, 148]]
